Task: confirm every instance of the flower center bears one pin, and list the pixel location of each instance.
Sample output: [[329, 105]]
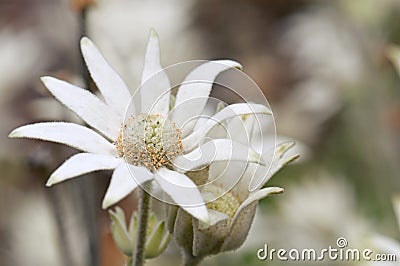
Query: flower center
[[227, 204], [149, 140]]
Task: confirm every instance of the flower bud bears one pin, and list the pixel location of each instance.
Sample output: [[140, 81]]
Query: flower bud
[[125, 236], [231, 211], [120, 232]]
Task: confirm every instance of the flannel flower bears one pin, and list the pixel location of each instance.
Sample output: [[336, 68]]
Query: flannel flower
[[231, 202], [144, 141]]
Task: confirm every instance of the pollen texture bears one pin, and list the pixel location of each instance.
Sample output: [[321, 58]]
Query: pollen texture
[[228, 203], [149, 140]]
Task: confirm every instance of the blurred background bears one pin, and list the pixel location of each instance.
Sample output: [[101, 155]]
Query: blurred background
[[322, 65]]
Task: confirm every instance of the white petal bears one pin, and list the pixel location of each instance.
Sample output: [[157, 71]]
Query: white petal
[[228, 175], [123, 181], [228, 112], [86, 105], [268, 141], [280, 159], [259, 195], [112, 87], [216, 150], [83, 163], [212, 107], [195, 89], [77, 136], [241, 129], [183, 191], [263, 136], [155, 88], [252, 172]]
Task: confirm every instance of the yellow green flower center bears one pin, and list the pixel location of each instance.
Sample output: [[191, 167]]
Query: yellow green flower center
[[228, 203], [149, 140]]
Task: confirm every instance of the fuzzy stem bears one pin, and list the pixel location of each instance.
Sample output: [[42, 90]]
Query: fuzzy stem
[[144, 210]]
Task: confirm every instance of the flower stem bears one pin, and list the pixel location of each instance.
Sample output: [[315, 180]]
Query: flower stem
[[144, 210]]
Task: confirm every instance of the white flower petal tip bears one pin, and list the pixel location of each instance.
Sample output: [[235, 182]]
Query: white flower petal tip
[[53, 179], [281, 159], [155, 84], [14, 134], [44, 79], [282, 150], [153, 33], [283, 147], [83, 163], [194, 91], [50, 182], [259, 195], [85, 41], [76, 136], [230, 63], [115, 92], [254, 157], [275, 190], [86, 105], [107, 203]]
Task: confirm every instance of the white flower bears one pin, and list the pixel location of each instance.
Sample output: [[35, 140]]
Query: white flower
[[232, 191], [148, 144]]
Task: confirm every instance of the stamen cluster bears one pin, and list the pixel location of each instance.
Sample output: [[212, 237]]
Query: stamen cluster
[[149, 140]]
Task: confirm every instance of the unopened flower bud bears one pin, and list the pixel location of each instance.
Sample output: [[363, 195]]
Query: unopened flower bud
[[125, 236], [231, 212], [120, 232]]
